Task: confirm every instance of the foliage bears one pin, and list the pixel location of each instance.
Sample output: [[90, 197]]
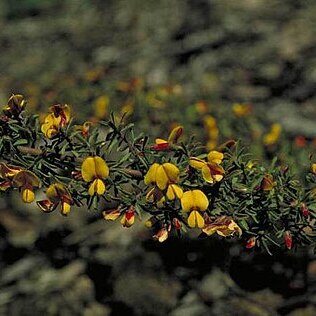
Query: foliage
[[176, 183]]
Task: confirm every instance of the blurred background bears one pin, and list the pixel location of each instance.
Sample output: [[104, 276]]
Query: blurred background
[[161, 62]]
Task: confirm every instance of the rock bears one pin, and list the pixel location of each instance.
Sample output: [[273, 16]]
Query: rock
[[215, 286]]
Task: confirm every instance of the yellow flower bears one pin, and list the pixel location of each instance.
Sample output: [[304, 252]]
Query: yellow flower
[[58, 117], [166, 177], [26, 181], [16, 104], [162, 235], [212, 131], [127, 108], [211, 169], [101, 106], [56, 193], [134, 84], [241, 110], [194, 201], [51, 124], [273, 135], [94, 170], [84, 128], [62, 111], [201, 106], [7, 171], [162, 144], [111, 215], [128, 218], [223, 226], [313, 168]]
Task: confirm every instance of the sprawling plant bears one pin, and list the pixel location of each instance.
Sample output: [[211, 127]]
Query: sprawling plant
[[173, 186]]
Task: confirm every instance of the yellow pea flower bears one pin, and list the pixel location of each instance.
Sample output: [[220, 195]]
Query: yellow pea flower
[[94, 170], [161, 235], [84, 128], [58, 117], [212, 131], [163, 144], [51, 124], [313, 168], [242, 110], [15, 105], [211, 169], [111, 215], [56, 193], [194, 201], [223, 226], [7, 173], [26, 181], [101, 106], [273, 135], [128, 218], [201, 107], [165, 177]]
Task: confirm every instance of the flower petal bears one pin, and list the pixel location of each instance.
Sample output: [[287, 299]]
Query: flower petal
[[161, 178], [175, 134], [172, 172], [196, 163], [101, 168], [65, 208], [200, 200], [207, 175], [28, 195], [150, 176], [187, 201], [96, 187], [88, 169], [195, 219], [215, 157]]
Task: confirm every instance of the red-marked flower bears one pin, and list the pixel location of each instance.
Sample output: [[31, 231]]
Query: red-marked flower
[[300, 141], [176, 223], [224, 226], [304, 210], [94, 170], [194, 202], [165, 177], [58, 117], [251, 242], [84, 128], [111, 215], [56, 193], [16, 104], [162, 144], [161, 235], [211, 169], [26, 181], [288, 239], [128, 218], [6, 174]]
